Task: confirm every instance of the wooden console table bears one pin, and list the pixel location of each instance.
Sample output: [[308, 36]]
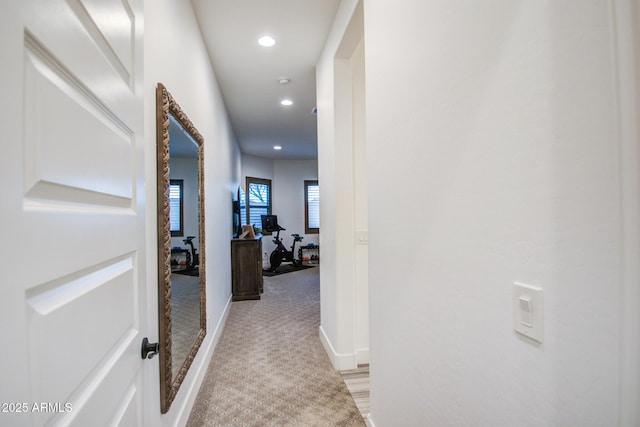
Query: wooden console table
[[246, 268]]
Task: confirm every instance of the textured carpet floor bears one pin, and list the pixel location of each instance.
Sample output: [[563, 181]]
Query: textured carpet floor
[[270, 369], [185, 316]]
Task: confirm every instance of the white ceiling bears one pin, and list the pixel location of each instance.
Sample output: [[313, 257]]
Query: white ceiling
[[248, 73]]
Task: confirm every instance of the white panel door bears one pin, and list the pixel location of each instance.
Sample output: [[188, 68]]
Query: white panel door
[[72, 287]]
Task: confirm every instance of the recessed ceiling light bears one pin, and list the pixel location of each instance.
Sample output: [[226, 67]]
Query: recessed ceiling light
[[284, 81], [266, 41], [286, 102], [277, 147]]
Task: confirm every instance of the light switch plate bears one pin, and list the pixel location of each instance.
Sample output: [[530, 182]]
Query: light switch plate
[[528, 311]]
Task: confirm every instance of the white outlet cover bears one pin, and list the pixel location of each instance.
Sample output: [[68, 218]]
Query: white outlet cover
[[528, 311]]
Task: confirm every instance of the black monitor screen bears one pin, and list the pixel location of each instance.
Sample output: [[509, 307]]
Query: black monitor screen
[[270, 222]]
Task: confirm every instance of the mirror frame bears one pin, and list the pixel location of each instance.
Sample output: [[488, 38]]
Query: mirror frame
[[165, 105]]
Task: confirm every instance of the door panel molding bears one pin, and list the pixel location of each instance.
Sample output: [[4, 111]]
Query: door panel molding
[[96, 17], [71, 138]]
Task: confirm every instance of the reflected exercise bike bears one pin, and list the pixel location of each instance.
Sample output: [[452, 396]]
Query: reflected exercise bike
[[192, 260]]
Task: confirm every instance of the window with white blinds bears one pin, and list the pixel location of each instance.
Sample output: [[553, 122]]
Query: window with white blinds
[[311, 207], [176, 207], [258, 200], [243, 207]]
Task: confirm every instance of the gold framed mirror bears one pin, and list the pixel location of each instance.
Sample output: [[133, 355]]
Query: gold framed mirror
[[181, 243]]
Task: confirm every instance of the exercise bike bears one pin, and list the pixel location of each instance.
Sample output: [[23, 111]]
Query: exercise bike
[[280, 254], [192, 254]]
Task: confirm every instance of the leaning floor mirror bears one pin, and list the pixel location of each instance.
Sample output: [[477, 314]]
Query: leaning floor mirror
[[181, 256]]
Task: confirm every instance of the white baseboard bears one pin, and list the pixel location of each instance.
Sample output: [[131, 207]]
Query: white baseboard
[[201, 369], [340, 362], [370, 422], [362, 356]]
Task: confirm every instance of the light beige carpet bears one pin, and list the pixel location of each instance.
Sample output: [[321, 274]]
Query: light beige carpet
[[270, 369]]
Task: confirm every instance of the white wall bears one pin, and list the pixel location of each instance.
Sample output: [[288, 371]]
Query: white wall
[[337, 156], [175, 55], [492, 131], [360, 206], [287, 184], [288, 196], [626, 17], [256, 167]]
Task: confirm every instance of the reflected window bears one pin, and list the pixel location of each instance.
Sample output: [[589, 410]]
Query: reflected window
[[176, 203]]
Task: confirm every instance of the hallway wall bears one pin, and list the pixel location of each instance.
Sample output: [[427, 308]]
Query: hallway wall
[[288, 196], [175, 55], [338, 126], [493, 152]]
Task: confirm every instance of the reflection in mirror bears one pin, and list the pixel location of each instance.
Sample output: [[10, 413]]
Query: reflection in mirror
[[183, 215], [181, 281]]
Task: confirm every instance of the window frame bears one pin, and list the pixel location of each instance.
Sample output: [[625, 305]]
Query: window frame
[[261, 181], [307, 229], [180, 231]]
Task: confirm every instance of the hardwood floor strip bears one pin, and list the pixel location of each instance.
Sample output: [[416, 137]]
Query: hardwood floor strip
[[357, 381]]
